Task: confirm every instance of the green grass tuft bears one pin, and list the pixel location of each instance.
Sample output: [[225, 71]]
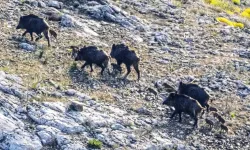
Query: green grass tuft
[[232, 114], [94, 143]]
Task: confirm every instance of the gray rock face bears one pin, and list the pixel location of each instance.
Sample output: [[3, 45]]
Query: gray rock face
[[13, 136], [46, 116], [52, 125], [47, 135], [111, 13], [68, 21], [21, 141]]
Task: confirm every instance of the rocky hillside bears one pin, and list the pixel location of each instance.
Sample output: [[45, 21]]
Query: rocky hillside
[[48, 102]]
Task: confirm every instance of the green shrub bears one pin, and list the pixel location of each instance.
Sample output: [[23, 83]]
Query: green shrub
[[232, 114], [94, 143]]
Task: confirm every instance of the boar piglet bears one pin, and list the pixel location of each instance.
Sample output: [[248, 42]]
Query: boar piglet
[[184, 103], [213, 109], [220, 118], [91, 55], [209, 122], [224, 127]]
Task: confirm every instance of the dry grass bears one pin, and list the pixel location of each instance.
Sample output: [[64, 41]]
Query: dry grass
[[230, 105], [45, 98], [102, 96]]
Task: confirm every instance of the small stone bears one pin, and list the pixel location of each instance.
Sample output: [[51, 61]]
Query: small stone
[[54, 16], [76, 4], [46, 138], [117, 126], [55, 4], [75, 106], [70, 92], [68, 21], [27, 47], [34, 3], [41, 4]]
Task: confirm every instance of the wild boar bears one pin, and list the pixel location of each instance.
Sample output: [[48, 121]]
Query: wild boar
[[122, 54], [219, 117], [91, 55], [213, 109], [196, 92], [33, 23], [224, 127], [184, 103], [209, 122]]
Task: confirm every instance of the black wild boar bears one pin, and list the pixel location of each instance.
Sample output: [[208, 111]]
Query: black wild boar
[[219, 117], [209, 122], [215, 114], [184, 103], [213, 109], [224, 127], [196, 92], [122, 54], [91, 55], [152, 90], [33, 23]]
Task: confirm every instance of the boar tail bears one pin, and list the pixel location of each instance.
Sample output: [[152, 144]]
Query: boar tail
[[53, 33]]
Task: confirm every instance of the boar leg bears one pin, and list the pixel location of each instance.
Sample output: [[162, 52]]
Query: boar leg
[[128, 71], [207, 107], [31, 36], [46, 34], [91, 67], [24, 33], [136, 67], [180, 117], [103, 68], [195, 120]]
